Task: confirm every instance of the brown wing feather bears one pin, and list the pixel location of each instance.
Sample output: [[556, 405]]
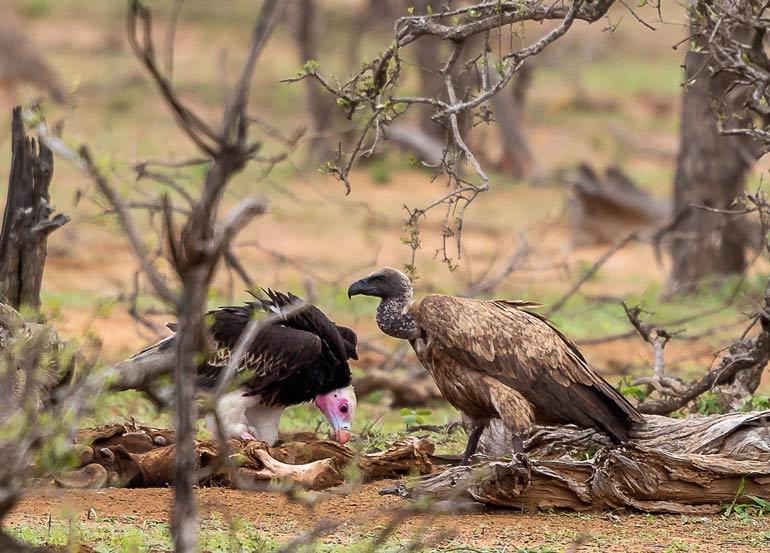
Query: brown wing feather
[[526, 352]]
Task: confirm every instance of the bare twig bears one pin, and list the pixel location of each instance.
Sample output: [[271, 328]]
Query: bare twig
[[487, 285], [129, 227], [374, 91], [617, 246], [657, 338]]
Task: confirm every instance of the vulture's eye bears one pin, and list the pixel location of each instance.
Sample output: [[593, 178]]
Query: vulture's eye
[[379, 277], [344, 408]]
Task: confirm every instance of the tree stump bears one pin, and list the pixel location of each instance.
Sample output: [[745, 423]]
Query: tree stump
[[27, 220]]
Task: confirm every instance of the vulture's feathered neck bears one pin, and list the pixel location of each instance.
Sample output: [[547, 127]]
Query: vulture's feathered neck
[[392, 316]]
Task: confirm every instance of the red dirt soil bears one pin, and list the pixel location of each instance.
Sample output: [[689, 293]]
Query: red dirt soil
[[365, 512]]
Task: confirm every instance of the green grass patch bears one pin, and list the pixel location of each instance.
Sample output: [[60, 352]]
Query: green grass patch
[[124, 535]]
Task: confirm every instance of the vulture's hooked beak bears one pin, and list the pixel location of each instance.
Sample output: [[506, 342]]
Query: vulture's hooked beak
[[360, 287]]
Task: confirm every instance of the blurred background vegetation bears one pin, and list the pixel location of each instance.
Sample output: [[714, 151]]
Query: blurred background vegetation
[[608, 94]]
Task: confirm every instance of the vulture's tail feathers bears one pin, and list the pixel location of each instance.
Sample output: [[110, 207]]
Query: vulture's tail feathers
[[157, 359], [163, 346]]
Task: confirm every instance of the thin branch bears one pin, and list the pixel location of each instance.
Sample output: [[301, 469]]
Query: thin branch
[[485, 286], [171, 35], [240, 216], [612, 250], [141, 44], [231, 122], [127, 222]]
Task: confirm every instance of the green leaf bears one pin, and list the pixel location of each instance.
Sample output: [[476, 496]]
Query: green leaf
[[760, 502], [639, 392]]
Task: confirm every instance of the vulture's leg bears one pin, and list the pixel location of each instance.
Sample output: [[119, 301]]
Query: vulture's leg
[[518, 450], [473, 441]]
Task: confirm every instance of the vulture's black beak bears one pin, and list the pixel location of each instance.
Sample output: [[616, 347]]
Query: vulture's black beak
[[360, 287]]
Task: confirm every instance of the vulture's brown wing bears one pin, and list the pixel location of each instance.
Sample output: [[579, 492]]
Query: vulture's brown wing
[[524, 351]]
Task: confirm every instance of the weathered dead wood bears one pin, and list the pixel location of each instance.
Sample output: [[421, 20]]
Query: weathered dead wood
[[632, 477], [404, 457], [601, 210], [22, 61], [689, 465], [741, 436], [747, 354], [27, 220], [140, 456]]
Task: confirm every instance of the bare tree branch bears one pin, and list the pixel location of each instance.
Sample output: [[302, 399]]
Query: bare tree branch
[[374, 92], [129, 227], [618, 245]]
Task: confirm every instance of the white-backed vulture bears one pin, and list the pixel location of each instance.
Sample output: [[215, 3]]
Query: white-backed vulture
[[497, 359]]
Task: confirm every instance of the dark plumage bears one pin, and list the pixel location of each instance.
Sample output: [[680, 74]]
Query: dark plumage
[[497, 359], [291, 360], [295, 358]]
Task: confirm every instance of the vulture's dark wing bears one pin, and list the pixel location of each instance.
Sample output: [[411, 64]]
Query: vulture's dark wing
[[312, 319], [290, 361], [278, 355], [350, 340], [524, 351]]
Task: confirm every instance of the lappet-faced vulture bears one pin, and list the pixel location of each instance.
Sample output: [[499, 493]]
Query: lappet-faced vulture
[[300, 356]]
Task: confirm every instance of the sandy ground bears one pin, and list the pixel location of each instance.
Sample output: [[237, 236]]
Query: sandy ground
[[365, 512]]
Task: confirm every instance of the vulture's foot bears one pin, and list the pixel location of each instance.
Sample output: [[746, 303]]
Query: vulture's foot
[[246, 435], [523, 460], [466, 460]]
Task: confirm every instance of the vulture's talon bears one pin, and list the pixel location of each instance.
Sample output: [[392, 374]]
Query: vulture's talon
[[523, 460]]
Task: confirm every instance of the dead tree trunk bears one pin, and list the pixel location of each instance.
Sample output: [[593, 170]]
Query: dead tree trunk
[[602, 210], [319, 106], [516, 159], [27, 221], [711, 171], [428, 56]]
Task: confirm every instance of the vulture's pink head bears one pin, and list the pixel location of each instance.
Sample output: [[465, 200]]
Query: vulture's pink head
[[338, 407]]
